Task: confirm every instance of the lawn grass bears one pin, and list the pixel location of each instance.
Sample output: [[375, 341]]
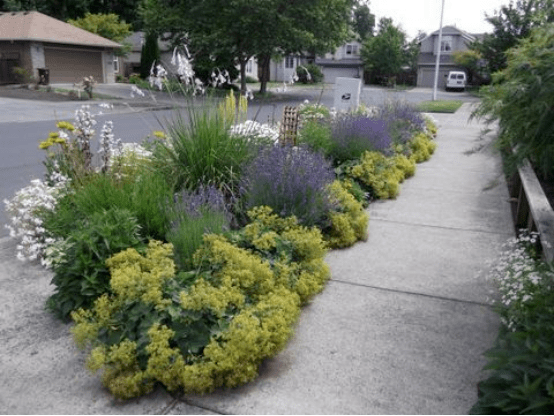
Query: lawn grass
[[440, 106]]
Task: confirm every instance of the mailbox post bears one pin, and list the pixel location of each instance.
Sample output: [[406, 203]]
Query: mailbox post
[[347, 93]]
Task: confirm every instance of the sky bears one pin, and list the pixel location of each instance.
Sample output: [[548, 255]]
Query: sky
[[415, 15]]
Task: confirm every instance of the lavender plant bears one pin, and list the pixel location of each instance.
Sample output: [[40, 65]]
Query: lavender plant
[[292, 181], [352, 135], [194, 214], [403, 120]]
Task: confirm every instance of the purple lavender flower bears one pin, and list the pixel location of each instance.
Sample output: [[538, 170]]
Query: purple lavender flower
[[192, 203], [352, 135], [403, 119], [290, 180]]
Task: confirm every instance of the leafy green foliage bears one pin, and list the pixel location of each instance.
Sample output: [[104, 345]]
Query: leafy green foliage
[[384, 55], [146, 196], [521, 363], [315, 75], [511, 23], [522, 100], [364, 21], [106, 25], [206, 328], [248, 28], [80, 273]]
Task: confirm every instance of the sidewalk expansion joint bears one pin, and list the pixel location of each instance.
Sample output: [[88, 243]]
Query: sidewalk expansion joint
[[405, 292], [443, 227]]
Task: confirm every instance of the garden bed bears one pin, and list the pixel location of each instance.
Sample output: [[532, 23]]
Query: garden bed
[[186, 261]]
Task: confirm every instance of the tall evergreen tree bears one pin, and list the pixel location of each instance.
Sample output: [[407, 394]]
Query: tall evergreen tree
[[150, 53]]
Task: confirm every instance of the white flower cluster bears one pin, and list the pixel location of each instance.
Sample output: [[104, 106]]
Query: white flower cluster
[[157, 76], [519, 276], [25, 222], [256, 131], [109, 146], [84, 122]]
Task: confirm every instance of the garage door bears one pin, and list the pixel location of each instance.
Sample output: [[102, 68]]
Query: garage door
[[426, 77], [331, 73], [70, 66]]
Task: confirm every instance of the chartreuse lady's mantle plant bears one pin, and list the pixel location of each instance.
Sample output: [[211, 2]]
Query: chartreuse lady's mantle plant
[[208, 327], [521, 363]]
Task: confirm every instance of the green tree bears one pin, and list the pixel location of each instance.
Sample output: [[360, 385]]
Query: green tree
[[106, 25], [521, 99], [471, 61], [59, 9], [363, 21], [150, 53], [246, 28], [386, 53], [511, 23]]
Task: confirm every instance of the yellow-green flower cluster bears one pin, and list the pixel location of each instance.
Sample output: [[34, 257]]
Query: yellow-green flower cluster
[[53, 139], [349, 224], [422, 147], [254, 301], [378, 172], [134, 276]]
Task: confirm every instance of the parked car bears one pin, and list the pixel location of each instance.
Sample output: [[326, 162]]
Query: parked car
[[456, 80]]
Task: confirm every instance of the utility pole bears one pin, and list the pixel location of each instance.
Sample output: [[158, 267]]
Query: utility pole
[[437, 62]]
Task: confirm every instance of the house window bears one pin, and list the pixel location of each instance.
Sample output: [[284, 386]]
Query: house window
[[249, 66], [116, 64], [446, 44], [289, 61], [351, 49]]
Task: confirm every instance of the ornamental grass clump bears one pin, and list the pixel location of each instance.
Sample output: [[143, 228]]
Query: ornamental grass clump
[[519, 368], [195, 213], [201, 149], [352, 135], [290, 180]]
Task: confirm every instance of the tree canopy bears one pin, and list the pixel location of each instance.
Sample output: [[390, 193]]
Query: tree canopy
[[106, 25], [127, 10], [247, 28], [511, 23], [521, 98], [385, 54], [363, 21]]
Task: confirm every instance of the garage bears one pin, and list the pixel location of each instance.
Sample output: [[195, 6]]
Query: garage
[[331, 73], [68, 65]]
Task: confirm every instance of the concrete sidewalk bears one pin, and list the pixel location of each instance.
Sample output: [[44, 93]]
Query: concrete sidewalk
[[399, 329]]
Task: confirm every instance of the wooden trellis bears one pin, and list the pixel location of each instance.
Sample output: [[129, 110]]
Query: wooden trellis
[[289, 126]]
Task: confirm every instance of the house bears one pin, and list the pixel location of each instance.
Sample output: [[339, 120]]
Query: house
[[344, 62], [33, 41], [453, 39]]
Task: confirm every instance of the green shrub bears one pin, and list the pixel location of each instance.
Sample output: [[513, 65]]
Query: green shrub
[[521, 99], [520, 371], [349, 222], [316, 134], [210, 327], [422, 146], [80, 273], [146, 196], [377, 172], [315, 75]]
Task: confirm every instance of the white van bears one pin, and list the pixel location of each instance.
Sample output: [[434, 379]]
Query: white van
[[456, 80]]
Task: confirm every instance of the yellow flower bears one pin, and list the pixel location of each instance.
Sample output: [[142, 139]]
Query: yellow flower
[[159, 134]]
